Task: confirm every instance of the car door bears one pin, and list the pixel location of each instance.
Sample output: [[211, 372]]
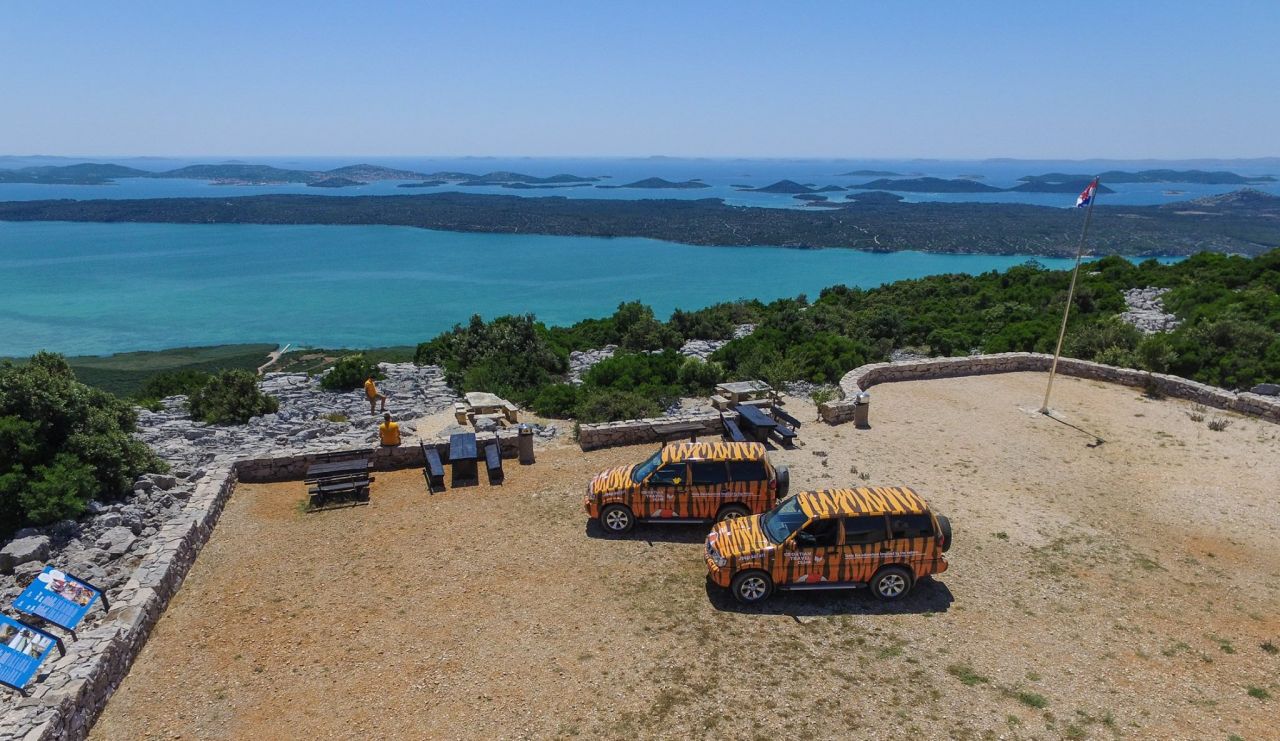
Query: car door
[[708, 489], [911, 541], [660, 491], [866, 538], [812, 556]]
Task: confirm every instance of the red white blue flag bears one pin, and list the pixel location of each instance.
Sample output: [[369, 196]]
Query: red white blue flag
[[1086, 195]]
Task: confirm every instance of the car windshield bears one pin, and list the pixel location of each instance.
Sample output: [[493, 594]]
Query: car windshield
[[643, 470], [783, 520]]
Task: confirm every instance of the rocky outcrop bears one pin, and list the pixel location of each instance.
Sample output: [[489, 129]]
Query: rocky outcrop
[[580, 361], [1146, 310]]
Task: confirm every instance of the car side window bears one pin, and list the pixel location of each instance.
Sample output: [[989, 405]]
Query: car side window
[[669, 475], [747, 471], [864, 530], [819, 534], [911, 526], [708, 473]]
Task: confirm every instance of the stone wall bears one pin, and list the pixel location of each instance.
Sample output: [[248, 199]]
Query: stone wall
[[866, 376], [637, 431], [72, 690]]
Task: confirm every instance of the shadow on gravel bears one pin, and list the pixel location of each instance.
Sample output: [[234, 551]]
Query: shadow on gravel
[[694, 532], [928, 596]]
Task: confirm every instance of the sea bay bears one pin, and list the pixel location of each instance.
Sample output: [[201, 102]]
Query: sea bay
[[96, 288]]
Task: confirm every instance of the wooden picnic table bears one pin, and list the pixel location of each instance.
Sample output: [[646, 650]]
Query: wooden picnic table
[[463, 456], [757, 424], [338, 468], [330, 479]]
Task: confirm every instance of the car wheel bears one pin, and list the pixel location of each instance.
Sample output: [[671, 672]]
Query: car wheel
[[751, 587], [732, 512], [617, 519], [945, 525], [784, 481], [891, 583]]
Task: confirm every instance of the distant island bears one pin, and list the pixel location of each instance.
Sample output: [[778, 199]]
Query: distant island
[[1182, 176], [335, 182], [929, 185], [660, 183], [782, 186], [874, 196], [423, 184], [869, 174], [83, 174], [505, 178], [1246, 221], [1057, 182]]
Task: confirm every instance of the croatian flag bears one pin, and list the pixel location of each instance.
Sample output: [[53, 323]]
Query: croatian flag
[[1086, 195]]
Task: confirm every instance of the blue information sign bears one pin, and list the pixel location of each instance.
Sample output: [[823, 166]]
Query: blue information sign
[[57, 597], [22, 649]]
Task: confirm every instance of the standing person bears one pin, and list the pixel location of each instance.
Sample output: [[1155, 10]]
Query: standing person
[[389, 432], [371, 391]]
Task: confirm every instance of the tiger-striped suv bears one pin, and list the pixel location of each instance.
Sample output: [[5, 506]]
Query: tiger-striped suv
[[884, 538], [687, 482]]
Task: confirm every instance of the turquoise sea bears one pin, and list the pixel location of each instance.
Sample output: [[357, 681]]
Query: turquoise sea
[[93, 288]]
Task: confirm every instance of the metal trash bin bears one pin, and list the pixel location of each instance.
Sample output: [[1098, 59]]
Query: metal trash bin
[[862, 410], [524, 444]]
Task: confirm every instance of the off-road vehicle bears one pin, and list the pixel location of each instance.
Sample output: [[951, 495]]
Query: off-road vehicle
[[687, 482], [884, 538]]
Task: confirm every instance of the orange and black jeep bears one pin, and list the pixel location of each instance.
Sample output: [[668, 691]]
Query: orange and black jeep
[[884, 538], [687, 482]]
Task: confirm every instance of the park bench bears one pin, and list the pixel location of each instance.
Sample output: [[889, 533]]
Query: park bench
[[732, 431], [786, 419], [336, 480], [784, 435], [493, 462], [432, 469]]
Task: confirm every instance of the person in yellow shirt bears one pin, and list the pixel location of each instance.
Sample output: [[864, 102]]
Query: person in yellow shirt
[[371, 391], [389, 431]]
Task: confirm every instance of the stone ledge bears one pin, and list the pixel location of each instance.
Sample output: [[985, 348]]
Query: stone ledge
[[637, 431], [866, 376]]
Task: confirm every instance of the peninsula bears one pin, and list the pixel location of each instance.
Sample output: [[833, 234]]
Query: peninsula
[[1246, 222]]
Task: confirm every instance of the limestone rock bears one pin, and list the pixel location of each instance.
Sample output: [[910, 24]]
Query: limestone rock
[[23, 550], [116, 541]]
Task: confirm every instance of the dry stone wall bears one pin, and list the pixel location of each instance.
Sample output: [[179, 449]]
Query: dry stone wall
[[866, 376], [638, 431]]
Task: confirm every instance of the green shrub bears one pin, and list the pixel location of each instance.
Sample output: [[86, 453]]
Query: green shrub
[[231, 397], [558, 401], [511, 356], [61, 444], [349, 373], [171, 383], [698, 378], [606, 405]]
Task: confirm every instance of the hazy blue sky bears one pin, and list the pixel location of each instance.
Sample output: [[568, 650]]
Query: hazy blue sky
[[888, 79]]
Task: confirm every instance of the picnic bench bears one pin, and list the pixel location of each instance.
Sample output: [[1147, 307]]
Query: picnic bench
[[493, 462], [463, 458], [756, 425], [741, 392], [432, 468], [732, 431], [332, 480], [785, 432]]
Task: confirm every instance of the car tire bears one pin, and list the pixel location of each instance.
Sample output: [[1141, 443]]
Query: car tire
[[784, 481], [945, 525], [732, 512], [617, 519], [891, 583], [751, 587]]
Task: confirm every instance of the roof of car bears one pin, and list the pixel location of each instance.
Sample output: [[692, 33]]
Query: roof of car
[[715, 451], [864, 500]]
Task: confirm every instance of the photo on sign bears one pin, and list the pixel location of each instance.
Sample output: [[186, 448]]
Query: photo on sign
[[67, 588], [24, 640]]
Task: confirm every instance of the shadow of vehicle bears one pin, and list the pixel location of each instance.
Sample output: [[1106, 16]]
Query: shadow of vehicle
[[928, 595], [676, 532]]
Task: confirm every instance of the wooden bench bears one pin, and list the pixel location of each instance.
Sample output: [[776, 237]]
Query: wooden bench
[[340, 487], [493, 462], [732, 431], [432, 469], [782, 416], [784, 435]]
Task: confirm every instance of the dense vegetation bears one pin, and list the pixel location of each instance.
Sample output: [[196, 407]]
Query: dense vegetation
[[1244, 222], [349, 373], [1230, 335], [230, 397], [62, 444]]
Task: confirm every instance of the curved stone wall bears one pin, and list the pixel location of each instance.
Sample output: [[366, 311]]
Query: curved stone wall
[[866, 376]]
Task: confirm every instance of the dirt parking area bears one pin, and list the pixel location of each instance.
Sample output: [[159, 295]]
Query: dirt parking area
[[1128, 589]]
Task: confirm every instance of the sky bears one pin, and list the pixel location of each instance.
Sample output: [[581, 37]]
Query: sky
[[961, 80]]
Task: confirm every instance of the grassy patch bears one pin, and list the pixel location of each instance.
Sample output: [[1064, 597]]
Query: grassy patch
[[966, 675], [335, 417], [1270, 648], [1259, 693], [1030, 699], [124, 373]]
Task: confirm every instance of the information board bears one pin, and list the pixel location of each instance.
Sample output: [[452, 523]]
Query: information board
[[22, 650], [58, 597]]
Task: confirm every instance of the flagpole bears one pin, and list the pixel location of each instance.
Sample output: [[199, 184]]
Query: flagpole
[[1071, 292]]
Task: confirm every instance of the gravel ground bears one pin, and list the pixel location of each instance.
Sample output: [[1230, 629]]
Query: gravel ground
[[1129, 589]]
